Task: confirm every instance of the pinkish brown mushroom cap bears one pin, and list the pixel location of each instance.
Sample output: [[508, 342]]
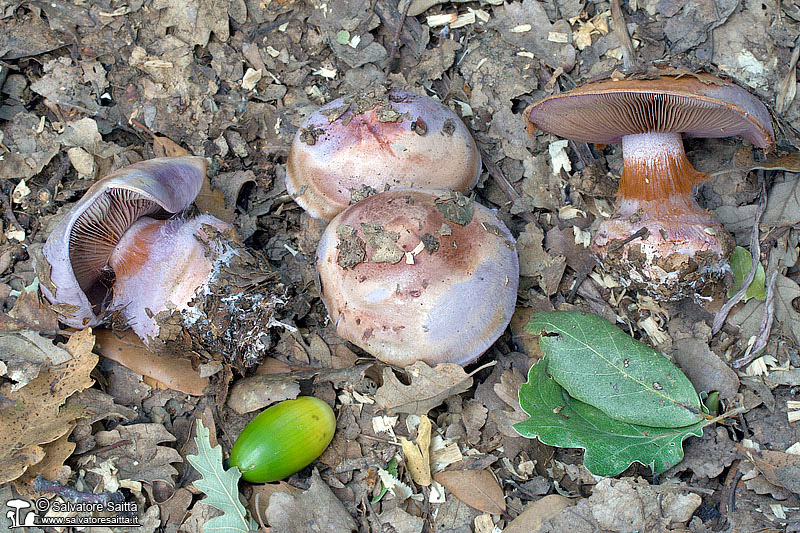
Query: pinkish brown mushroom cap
[[412, 274], [76, 276], [699, 105], [367, 143]]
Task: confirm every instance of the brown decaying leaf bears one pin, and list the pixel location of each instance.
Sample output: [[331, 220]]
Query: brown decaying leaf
[[258, 391], [31, 313], [476, 488], [316, 509], [418, 456], [429, 387], [143, 459], [51, 468], [781, 469], [127, 349], [789, 86], [261, 494], [704, 368], [175, 509], [531, 518], [25, 353], [37, 416]]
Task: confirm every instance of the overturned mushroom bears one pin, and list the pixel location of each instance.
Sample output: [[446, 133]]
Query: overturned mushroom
[[659, 240], [125, 251], [363, 144], [413, 274]]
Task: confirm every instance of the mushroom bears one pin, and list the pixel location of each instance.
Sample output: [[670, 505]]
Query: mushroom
[[366, 143], [414, 274], [125, 251], [659, 240]]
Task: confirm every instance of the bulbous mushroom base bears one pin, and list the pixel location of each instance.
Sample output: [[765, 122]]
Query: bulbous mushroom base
[[197, 288], [667, 261]]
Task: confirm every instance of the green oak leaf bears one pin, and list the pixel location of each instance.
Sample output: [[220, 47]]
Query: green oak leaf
[[610, 445], [220, 486], [601, 365], [741, 260]]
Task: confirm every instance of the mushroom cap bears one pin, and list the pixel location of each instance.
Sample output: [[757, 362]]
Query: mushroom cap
[[699, 105], [378, 141], [76, 276], [412, 274]]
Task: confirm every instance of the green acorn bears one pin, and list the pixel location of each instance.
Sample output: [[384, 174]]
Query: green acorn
[[283, 439]]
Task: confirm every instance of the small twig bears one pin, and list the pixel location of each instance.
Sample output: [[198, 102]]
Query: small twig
[[641, 233], [729, 489], [8, 211], [104, 448], [396, 39], [504, 184], [677, 488], [766, 325], [728, 414], [755, 249], [378, 439], [58, 175], [621, 29], [40, 484], [582, 275]]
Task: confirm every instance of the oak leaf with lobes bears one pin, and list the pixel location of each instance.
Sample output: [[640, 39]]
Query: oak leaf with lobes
[[37, 416]]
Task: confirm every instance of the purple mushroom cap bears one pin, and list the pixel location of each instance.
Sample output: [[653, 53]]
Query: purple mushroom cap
[[416, 274], [370, 142]]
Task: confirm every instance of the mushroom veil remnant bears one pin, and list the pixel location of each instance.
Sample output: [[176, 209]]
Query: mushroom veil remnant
[[362, 144], [678, 247], [413, 274], [126, 250]]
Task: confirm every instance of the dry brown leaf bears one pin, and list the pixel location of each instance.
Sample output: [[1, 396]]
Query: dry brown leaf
[[530, 520], [788, 88], [704, 368], [166, 147], [781, 469], [258, 391], [476, 488], [418, 456], [37, 416], [127, 349], [316, 509], [25, 353], [142, 459], [175, 509], [429, 387], [212, 201], [51, 468], [29, 312], [259, 498]]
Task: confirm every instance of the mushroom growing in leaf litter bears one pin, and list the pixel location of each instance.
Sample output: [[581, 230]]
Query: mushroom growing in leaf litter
[[677, 248], [126, 251], [413, 274], [362, 144]]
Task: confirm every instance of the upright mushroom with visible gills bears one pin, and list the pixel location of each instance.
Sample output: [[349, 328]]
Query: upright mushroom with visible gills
[[681, 247], [125, 250], [365, 143]]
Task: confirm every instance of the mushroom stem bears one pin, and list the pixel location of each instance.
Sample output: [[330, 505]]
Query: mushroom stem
[[655, 199], [657, 182], [655, 167]]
